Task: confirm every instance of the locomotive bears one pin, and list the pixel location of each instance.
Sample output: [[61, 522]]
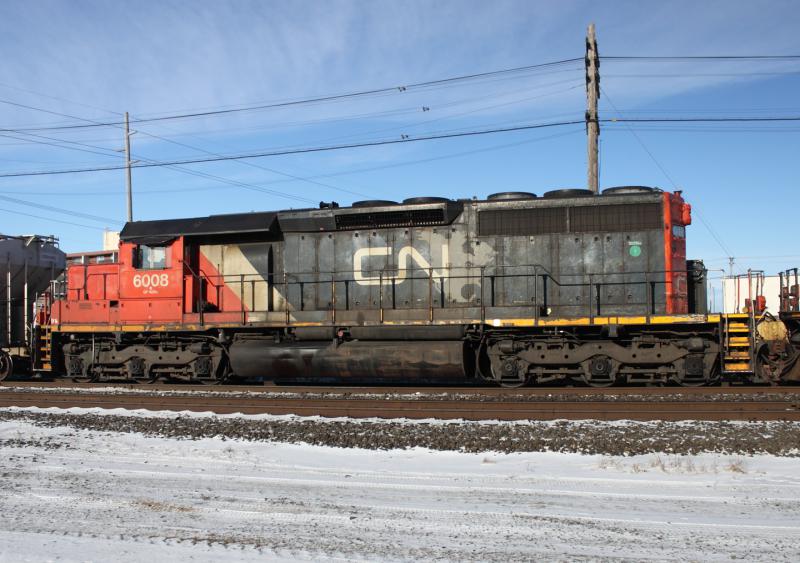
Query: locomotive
[[571, 287]]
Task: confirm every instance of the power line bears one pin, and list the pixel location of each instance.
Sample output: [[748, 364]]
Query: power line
[[172, 167], [419, 108], [406, 127], [700, 129], [401, 88], [666, 174], [331, 174], [58, 210], [314, 100], [669, 58], [15, 212], [151, 161], [701, 74], [57, 143], [254, 165], [296, 151], [195, 173], [698, 119], [382, 142]]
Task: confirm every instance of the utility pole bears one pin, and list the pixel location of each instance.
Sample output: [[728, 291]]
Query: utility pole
[[592, 63], [128, 186]]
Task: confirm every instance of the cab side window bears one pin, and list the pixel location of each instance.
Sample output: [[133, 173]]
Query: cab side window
[[152, 257]]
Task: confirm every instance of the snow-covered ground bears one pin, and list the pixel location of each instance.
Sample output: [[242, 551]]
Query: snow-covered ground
[[68, 494]]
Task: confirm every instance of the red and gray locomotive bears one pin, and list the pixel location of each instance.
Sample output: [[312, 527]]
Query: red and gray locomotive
[[514, 289]]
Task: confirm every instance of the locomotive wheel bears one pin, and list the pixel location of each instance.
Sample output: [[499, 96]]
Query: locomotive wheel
[[88, 379], [89, 376], [596, 383], [768, 370], [222, 378], [599, 371], [6, 365], [508, 374], [145, 380], [209, 381], [514, 384], [693, 383], [712, 378]]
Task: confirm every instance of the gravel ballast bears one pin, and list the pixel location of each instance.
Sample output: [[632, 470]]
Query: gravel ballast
[[669, 395], [586, 436]]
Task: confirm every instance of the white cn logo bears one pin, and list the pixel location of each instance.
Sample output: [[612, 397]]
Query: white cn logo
[[406, 256]]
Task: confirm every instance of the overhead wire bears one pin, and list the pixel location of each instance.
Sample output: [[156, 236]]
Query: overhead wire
[[58, 209], [335, 174], [216, 157], [318, 99], [691, 58], [150, 161], [240, 184], [383, 142], [304, 150], [666, 174], [16, 212]]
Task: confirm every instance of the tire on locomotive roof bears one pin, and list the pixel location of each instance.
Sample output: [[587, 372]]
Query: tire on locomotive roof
[[373, 203], [627, 190], [426, 199], [508, 196], [568, 192]]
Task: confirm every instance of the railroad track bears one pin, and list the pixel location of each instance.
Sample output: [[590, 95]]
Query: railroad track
[[488, 391], [786, 407]]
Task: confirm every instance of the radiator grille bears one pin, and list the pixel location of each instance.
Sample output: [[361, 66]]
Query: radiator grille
[[404, 218], [583, 219], [516, 222], [615, 218]]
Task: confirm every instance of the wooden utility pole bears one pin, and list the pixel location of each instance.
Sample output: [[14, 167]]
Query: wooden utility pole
[[128, 186], [592, 62]]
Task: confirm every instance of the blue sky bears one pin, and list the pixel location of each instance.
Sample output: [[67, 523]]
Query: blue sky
[[93, 60]]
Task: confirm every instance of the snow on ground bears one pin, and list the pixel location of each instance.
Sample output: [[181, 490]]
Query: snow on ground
[[81, 495]]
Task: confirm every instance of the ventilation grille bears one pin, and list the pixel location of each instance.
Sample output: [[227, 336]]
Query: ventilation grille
[[522, 222], [383, 219], [615, 218], [583, 219]]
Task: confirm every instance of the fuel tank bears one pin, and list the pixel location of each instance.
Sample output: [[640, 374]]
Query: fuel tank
[[362, 361]]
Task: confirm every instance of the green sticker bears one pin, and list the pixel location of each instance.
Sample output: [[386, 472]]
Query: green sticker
[[635, 250]]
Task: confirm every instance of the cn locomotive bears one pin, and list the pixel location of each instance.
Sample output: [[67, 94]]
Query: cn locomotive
[[571, 287]]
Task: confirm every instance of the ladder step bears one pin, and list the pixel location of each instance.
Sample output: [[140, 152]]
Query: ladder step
[[737, 355], [739, 341], [737, 366]]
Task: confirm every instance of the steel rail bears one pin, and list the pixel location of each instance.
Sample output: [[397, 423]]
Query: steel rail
[[787, 410], [488, 391]]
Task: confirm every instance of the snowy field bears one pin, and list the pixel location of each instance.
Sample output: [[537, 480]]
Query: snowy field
[[85, 495]]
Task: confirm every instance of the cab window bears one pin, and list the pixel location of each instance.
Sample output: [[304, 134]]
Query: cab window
[[152, 257]]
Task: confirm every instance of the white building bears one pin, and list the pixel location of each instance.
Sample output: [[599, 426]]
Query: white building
[[736, 290]]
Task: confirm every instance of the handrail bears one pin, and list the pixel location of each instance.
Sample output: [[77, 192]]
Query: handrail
[[387, 280], [440, 282]]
